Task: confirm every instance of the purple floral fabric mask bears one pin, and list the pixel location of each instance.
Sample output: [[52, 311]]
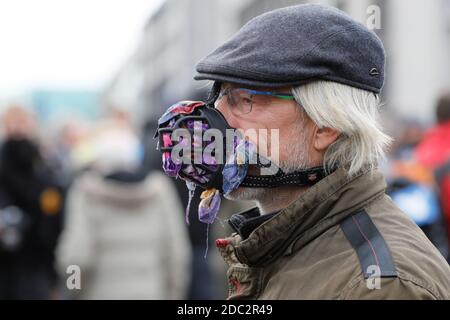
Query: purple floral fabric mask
[[234, 170]]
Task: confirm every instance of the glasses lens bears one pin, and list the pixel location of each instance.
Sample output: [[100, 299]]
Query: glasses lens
[[243, 101]]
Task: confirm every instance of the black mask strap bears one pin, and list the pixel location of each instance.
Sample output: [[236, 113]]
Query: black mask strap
[[213, 93], [307, 177]]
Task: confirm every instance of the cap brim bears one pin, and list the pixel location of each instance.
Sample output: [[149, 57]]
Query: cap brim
[[246, 82]]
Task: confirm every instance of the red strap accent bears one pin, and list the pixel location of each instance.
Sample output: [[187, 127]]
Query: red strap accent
[[222, 243]]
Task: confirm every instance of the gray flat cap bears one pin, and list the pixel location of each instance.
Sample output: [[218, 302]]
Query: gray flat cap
[[296, 45]]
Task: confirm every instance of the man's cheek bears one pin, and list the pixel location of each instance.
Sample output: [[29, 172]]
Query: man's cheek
[[282, 154]]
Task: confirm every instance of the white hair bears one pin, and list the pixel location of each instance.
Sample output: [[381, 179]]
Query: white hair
[[351, 111]]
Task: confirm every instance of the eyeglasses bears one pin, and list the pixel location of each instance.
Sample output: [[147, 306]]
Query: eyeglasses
[[241, 100]]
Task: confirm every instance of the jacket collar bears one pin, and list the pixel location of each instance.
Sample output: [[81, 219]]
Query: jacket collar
[[245, 222], [321, 207]]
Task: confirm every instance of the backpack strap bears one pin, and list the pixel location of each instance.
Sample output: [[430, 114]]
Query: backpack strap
[[369, 245]]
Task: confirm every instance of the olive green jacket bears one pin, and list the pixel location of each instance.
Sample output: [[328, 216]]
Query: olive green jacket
[[342, 239]]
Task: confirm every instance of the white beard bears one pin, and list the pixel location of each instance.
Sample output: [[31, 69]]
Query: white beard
[[298, 159]]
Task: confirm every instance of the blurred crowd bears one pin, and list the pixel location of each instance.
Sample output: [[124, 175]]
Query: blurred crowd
[[92, 195], [418, 173]]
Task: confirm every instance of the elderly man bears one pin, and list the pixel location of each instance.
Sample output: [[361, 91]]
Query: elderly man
[[314, 74]]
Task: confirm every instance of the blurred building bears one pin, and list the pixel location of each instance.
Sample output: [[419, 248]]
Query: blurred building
[[175, 38], [416, 34], [53, 105]]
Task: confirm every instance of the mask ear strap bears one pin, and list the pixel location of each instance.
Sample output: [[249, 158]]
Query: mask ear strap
[[307, 177], [214, 93]]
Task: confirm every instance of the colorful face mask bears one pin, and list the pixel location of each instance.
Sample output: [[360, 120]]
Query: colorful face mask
[[207, 171]]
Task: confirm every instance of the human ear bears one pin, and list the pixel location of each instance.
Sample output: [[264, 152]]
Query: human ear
[[324, 137]]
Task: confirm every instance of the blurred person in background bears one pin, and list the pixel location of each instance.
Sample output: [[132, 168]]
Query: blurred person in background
[[412, 186], [434, 153], [60, 144], [30, 214], [123, 228]]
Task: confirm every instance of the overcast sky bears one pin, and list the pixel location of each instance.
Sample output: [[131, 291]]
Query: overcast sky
[[64, 44]]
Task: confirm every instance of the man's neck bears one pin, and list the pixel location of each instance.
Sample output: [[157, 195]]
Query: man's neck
[[279, 198]]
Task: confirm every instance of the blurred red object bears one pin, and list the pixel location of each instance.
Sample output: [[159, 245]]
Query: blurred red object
[[434, 150]]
